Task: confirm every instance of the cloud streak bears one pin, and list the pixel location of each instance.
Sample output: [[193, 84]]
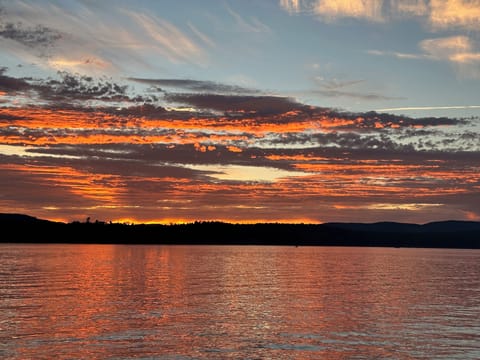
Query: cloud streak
[[95, 40], [415, 108], [196, 85], [237, 103], [342, 88], [460, 51], [251, 25]]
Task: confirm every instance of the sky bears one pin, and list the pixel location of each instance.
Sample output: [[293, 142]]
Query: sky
[[294, 111]]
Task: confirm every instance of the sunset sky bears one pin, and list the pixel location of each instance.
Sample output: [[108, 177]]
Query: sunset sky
[[240, 110]]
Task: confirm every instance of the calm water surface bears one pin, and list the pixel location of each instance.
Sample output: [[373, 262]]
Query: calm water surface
[[214, 302]]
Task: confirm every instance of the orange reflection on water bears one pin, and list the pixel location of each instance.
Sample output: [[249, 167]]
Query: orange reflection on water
[[84, 299], [99, 301]]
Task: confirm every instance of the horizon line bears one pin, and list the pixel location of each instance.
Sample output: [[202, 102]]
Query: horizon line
[[130, 222]]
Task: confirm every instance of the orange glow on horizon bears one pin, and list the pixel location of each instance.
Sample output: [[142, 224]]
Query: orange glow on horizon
[[183, 221]]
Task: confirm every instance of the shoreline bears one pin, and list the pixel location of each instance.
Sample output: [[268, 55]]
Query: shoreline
[[448, 234]]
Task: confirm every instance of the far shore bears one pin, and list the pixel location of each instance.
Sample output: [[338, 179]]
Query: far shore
[[18, 228]]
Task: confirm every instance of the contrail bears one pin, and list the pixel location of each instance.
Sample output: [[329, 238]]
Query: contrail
[[430, 108]]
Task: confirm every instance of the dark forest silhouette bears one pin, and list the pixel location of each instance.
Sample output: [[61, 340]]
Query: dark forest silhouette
[[445, 234]]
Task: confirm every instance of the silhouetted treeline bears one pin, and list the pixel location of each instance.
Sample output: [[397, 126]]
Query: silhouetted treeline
[[448, 234]]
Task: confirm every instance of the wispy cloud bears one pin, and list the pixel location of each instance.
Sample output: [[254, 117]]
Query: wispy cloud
[[202, 36], [426, 108], [96, 39], [460, 51], [252, 24], [447, 48], [165, 37], [237, 103], [396, 54], [355, 95], [342, 88], [197, 85]]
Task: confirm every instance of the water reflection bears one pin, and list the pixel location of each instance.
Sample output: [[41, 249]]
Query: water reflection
[[122, 302]]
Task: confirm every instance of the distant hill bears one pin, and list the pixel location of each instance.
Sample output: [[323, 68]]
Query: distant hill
[[377, 227], [452, 226], [20, 219], [394, 227], [443, 234]]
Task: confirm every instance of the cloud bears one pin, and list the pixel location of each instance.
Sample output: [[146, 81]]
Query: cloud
[[166, 38], [34, 37], [103, 165], [70, 88], [439, 15], [361, 9], [334, 84], [207, 40], [339, 88], [397, 54], [237, 103], [373, 121], [73, 92], [92, 38], [246, 173], [11, 85], [292, 6], [197, 85], [333, 10], [459, 50], [448, 14], [447, 47], [253, 157], [415, 108], [410, 7], [251, 25], [354, 95], [80, 88], [401, 206], [10, 117]]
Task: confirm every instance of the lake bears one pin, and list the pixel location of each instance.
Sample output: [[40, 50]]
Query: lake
[[237, 302]]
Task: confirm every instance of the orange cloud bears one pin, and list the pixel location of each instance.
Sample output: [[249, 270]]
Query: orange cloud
[[99, 187], [455, 14], [247, 167], [291, 6], [410, 7], [367, 9], [234, 149]]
